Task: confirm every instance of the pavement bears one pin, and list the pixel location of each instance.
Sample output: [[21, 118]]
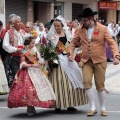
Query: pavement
[[112, 104]]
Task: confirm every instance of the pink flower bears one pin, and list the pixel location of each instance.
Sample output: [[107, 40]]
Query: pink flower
[[44, 40], [78, 58], [59, 50]]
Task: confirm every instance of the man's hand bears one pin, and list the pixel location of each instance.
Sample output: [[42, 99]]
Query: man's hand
[[19, 50], [115, 61], [71, 58]]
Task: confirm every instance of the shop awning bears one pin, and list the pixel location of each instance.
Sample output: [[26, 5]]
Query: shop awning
[[50, 1], [107, 5]]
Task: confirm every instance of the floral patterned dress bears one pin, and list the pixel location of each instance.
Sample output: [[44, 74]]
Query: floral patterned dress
[[31, 88]]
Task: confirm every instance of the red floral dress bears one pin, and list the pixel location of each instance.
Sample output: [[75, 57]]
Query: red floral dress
[[23, 92]]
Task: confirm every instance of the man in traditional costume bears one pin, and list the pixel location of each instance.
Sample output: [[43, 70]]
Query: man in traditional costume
[[92, 36], [13, 44]]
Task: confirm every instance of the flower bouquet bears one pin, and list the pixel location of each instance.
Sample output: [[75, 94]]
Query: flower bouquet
[[49, 53]]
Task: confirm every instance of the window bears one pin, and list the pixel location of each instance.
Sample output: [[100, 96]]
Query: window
[[58, 9]]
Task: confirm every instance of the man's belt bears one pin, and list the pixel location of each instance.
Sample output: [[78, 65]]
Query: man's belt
[[15, 54]]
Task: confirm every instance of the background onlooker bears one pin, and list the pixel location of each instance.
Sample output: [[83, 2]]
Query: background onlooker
[[2, 33]]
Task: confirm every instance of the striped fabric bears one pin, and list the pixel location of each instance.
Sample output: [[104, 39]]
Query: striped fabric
[[66, 95]]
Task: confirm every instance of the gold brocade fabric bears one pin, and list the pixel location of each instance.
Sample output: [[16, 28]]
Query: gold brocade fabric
[[62, 46], [31, 56]]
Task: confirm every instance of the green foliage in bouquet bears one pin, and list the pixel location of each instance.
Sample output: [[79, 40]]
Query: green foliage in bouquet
[[48, 52]]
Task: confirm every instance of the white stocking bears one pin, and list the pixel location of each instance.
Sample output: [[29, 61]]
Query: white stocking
[[101, 97], [90, 94]]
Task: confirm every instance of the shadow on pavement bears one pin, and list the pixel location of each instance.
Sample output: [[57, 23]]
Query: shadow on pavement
[[45, 114]]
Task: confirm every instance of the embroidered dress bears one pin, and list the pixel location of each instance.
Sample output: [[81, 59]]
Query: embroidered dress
[[30, 86], [3, 80]]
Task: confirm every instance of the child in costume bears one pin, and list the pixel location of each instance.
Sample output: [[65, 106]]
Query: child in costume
[[31, 87]]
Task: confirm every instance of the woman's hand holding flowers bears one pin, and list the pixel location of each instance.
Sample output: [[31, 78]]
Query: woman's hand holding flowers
[[36, 65]]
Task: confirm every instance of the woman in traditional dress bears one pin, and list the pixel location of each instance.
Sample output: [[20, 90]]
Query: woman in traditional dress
[[30, 31], [41, 34], [41, 30], [3, 79], [31, 87], [67, 77]]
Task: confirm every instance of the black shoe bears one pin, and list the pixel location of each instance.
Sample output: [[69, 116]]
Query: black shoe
[[108, 60], [71, 109], [33, 110], [29, 111], [57, 110]]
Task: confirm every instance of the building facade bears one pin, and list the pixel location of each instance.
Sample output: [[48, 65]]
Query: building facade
[[71, 8], [44, 10], [2, 12], [109, 10]]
